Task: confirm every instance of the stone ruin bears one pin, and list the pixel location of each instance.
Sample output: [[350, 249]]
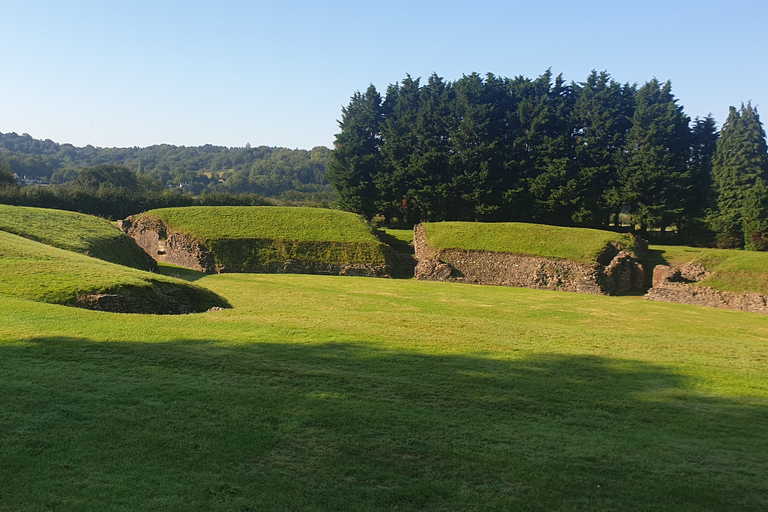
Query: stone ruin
[[168, 246], [678, 284], [614, 272]]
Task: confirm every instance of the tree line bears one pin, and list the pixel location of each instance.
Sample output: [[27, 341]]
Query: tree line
[[281, 173], [544, 150], [113, 192]]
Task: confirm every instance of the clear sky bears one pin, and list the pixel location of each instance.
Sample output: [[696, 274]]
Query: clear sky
[[120, 73]]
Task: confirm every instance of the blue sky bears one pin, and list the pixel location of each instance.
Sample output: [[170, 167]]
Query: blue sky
[[277, 73]]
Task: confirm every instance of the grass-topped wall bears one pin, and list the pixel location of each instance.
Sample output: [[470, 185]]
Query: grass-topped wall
[[529, 255], [581, 245], [728, 270], [268, 239]]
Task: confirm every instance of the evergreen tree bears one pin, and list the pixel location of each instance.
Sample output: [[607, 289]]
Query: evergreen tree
[[741, 157], [602, 117], [704, 137], [754, 216], [551, 169], [430, 172], [654, 175], [356, 159], [396, 181], [474, 166]]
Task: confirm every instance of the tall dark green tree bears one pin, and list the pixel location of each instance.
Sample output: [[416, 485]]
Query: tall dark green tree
[[356, 158], [754, 216], [430, 169], [395, 182], [602, 115], [741, 157], [704, 137], [552, 172], [654, 175], [475, 168]]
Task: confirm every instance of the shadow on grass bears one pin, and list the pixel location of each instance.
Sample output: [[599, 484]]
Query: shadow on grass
[[179, 272], [391, 240], [202, 425]]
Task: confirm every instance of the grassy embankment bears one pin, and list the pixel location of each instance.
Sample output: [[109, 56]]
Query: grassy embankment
[[84, 234], [328, 393], [246, 237], [732, 270], [578, 244], [35, 271]]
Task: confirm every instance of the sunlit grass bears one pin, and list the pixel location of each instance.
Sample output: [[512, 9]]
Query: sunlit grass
[[340, 393], [35, 271], [84, 234], [274, 222]]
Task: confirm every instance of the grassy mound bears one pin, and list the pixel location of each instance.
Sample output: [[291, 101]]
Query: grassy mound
[[731, 270], [245, 237], [578, 244], [35, 271], [75, 232]]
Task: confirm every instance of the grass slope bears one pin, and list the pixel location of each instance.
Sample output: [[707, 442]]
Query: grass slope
[[732, 270], [76, 232], [577, 244], [322, 393], [35, 271], [272, 233]]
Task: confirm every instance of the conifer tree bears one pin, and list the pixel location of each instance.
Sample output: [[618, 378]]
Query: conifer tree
[[399, 150], [741, 157], [602, 117], [704, 137], [356, 158], [754, 217], [654, 172]]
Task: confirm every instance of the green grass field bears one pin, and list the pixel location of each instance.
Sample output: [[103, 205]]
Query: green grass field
[[578, 244], [35, 271], [342, 393], [732, 270], [76, 232]]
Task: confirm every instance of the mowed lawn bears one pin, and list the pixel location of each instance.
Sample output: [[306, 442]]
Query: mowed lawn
[[341, 393]]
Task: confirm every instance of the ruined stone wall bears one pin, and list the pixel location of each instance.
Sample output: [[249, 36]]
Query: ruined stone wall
[[168, 246], [618, 273], [676, 284]]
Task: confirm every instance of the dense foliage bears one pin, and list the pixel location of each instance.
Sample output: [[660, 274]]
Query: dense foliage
[[117, 202], [287, 174], [542, 150]]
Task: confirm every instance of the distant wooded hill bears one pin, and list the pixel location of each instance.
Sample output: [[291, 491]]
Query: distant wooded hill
[[288, 174]]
